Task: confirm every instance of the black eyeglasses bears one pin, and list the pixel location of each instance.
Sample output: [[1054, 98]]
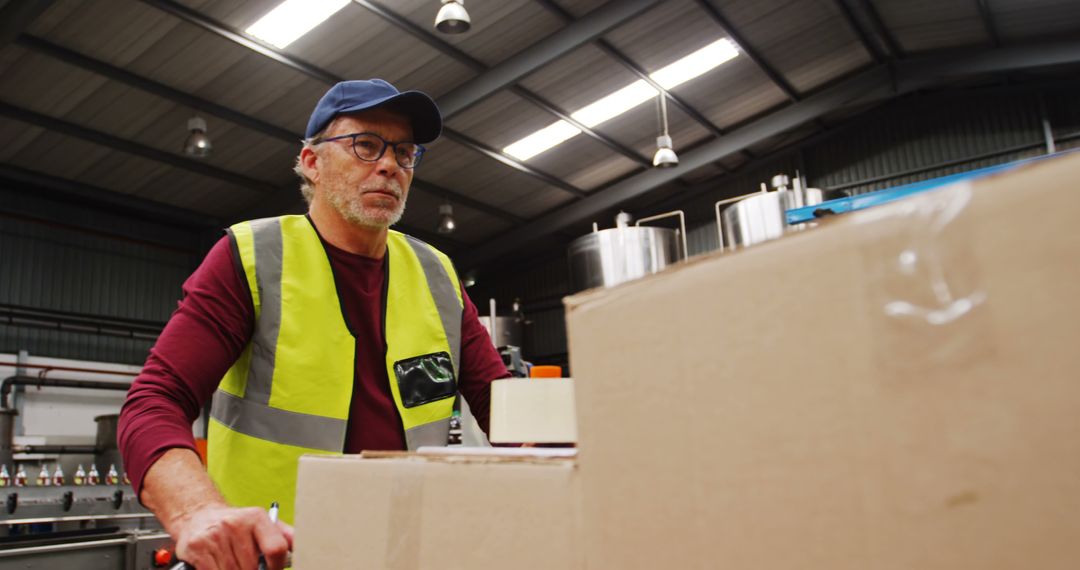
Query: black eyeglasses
[[369, 147]]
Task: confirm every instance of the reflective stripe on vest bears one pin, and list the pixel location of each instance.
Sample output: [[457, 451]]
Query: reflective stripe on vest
[[290, 390]]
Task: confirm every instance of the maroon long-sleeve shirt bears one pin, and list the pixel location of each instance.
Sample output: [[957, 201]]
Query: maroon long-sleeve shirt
[[213, 324]]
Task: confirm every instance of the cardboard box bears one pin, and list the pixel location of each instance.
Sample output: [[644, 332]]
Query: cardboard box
[[533, 410], [897, 389], [409, 512]]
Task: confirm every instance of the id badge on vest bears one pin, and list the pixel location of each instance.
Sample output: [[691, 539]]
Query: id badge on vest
[[424, 379]]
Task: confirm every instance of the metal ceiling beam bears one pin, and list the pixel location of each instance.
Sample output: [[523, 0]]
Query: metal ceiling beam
[[222, 30], [895, 50], [679, 102], [492, 79], [114, 73], [988, 22], [614, 53], [926, 72], [117, 143], [106, 198], [228, 32], [137, 81], [408, 26], [457, 198], [864, 38], [749, 50], [17, 15], [543, 52], [872, 85], [486, 150], [585, 130]]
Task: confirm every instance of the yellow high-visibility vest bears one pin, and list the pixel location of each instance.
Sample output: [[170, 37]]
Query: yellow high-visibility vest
[[290, 390]]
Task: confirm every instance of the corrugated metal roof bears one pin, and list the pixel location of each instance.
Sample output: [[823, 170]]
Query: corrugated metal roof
[[471, 224], [931, 134], [501, 119], [459, 168], [580, 8], [1019, 20], [807, 42], [924, 25]]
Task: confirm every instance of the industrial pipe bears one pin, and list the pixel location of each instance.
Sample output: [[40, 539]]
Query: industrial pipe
[[6, 385], [57, 449]]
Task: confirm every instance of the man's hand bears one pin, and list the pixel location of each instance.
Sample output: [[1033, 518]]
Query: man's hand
[[223, 538], [209, 534]]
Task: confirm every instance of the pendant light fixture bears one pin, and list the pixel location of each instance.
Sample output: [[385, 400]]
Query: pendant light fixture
[[197, 143], [446, 219], [665, 156], [452, 18]]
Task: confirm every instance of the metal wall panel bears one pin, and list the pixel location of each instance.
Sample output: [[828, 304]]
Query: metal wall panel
[[67, 270], [545, 337], [1063, 107], [79, 346], [544, 279], [923, 132], [702, 239], [88, 273]]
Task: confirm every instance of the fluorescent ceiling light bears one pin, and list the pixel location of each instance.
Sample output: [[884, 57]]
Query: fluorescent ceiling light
[[695, 64], [615, 104], [292, 19], [621, 101], [542, 140]]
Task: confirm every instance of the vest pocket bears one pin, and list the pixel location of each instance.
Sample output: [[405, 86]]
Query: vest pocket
[[424, 379]]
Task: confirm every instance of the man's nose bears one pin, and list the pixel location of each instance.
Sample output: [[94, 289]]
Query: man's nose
[[387, 164]]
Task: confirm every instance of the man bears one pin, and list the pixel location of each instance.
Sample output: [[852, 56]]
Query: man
[[324, 333]]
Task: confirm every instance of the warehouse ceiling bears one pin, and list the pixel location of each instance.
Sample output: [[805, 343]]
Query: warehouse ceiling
[[95, 96]]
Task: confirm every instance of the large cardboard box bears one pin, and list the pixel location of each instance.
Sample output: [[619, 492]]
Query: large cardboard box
[[399, 511], [897, 389]]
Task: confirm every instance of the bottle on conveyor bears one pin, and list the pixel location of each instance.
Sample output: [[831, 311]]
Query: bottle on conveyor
[[58, 476], [112, 477], [43, 479]]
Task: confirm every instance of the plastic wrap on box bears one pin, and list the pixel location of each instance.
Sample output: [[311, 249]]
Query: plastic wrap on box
[[924, 282]]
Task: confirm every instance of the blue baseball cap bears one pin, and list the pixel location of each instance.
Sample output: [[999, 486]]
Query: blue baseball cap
[[356, 95]]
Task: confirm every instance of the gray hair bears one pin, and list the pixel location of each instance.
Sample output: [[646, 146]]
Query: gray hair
[[307, 187]]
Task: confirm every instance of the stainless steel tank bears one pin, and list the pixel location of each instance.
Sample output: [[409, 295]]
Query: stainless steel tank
[[761, 216], [608, 257]]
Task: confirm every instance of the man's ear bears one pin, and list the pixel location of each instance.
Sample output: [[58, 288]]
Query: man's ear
[[309, 162]]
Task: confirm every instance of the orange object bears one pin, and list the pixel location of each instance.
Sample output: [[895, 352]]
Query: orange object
[[200, 446], [546, 371], [163, 557]]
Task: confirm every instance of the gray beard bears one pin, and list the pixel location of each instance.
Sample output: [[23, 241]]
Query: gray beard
[[349, 205]]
